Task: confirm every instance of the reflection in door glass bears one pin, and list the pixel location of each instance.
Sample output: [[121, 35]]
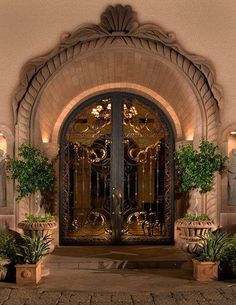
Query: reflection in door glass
[[124, 144], [87, 174], [145, 150]]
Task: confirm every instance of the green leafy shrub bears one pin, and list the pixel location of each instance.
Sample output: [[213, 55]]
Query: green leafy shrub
[[191, 217], [195, 169], [212, 247], [8, 244], [32, 170], [33, 249], [38, 218], [229, 259]]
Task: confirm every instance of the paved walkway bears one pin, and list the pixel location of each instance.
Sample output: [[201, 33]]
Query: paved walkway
[[24, 296], [88, 277]]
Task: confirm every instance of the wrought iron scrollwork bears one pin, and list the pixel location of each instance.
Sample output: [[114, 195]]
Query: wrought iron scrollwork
[[141, 210]]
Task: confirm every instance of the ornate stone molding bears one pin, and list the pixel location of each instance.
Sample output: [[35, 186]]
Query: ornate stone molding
[[118, 27], [119, 21]]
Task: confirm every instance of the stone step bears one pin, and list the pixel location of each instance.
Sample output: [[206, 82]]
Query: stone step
[[97, 258], [115, 264]]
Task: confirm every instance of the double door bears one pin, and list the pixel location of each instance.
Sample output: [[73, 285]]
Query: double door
[[116, 173]]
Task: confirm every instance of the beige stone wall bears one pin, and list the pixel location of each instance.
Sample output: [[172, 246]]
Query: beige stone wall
[[32, 28], [117, 68]]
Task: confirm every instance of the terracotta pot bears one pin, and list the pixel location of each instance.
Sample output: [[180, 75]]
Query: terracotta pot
[[28, 273], [191, 232], [38, 228], [41, 227], [205, 271]]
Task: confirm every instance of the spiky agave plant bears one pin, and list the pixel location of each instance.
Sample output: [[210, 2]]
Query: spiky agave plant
[[34, 248], [212, 247]]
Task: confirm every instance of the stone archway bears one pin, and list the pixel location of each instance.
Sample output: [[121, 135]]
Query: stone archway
[[118, 54]]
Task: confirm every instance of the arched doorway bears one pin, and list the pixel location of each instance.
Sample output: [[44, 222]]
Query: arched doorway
[[117, 176], [117, 56]]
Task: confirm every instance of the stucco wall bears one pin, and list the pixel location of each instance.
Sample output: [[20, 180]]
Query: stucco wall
[[31, 28]]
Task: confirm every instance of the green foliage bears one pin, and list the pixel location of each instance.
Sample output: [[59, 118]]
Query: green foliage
[[230, 255], [39, 218], [34, 248], [191, 217], [212, 247], [32, 170], [196, 169], [7, 245]]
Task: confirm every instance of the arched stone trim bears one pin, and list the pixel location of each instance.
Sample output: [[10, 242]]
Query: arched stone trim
[[6, 131], [119, 28], [133, 88], [226, 133], [225, 148], [148, 37], [9, 208]]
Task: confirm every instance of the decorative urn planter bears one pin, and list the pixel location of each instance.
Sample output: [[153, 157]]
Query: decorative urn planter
[[28, 273], [205, 271], [41, 227], [191, 232], [38, 228]]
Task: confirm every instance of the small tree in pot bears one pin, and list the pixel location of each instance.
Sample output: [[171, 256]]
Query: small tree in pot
[[195, 170], [35, 176]]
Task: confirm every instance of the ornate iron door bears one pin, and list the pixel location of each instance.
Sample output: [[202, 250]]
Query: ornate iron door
[[116, 173]]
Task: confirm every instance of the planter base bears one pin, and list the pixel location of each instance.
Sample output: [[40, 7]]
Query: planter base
[[191, 232], [28, 274], [39, 228], [205, 271]]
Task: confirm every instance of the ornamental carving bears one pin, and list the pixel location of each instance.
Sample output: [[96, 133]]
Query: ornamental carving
[[119, 27], [118, 21]]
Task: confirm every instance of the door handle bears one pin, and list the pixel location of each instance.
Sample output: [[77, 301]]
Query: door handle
[[116, 193], [116, 199]]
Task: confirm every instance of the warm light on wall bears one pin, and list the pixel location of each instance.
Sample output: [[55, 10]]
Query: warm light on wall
[[231, 142], [45, 136], [189, 133], [189, 138], [3, 143], [45, 140]]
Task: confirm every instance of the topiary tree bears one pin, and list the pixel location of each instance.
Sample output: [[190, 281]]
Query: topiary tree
[[195, 169], [32, 171]]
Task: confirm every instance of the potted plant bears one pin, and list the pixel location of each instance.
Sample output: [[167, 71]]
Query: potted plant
[[228, 262], [210, 251], [30, 255], [9, 240], [35, 176], [8, 244], [195, 170]]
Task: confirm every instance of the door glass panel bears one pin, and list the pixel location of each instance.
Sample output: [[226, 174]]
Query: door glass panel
[[116, 173], [87, 174], [143, 210]]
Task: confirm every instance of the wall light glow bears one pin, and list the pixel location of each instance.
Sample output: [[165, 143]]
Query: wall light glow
[[3, 143], [45, 140]]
